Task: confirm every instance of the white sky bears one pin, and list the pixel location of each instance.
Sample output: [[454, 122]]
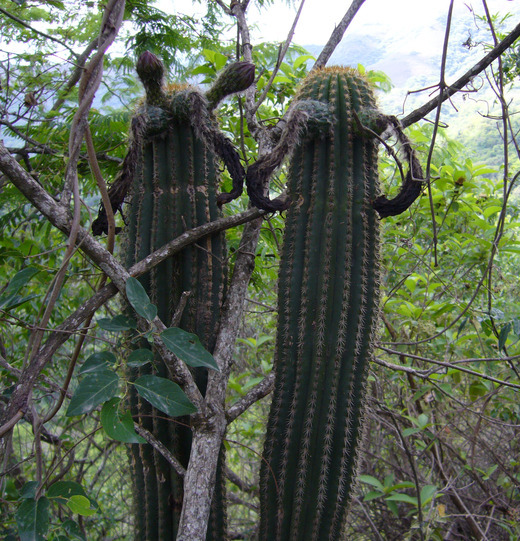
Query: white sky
[[319, 18]]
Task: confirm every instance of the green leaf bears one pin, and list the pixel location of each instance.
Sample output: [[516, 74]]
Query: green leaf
[[117, 324], [16, 283], [139, 357], [119, 427], [427, 493], [98, 360], [372, 481], [73, 530], [410, 431], [372, 495], [139, 299], [64, 490], [302, 59], [32, 519], [504, 333], [96, 388], [81, 505], [19, 280], [165, 395], [188, 348], [402, 498], [29, 489], [477, 389]]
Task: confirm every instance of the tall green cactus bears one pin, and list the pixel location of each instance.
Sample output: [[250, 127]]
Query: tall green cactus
[[171, 173], [327, 307]]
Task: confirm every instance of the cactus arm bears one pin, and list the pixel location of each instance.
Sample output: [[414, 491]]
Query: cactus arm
[[233, 78], [411, 186]]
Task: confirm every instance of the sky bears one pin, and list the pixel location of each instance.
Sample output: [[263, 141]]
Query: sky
[[319, 18]]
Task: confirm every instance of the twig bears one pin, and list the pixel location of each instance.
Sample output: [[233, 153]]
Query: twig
[[442, 88], [460, 83], [38, 32], [281, 55], [337, 34], [254, 395]]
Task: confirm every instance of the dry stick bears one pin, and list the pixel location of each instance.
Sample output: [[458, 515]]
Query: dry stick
[[501, 219], [460, 83], [161, 448], [281, 55], [76, 74], [337, 34], [88, 86], [449, 365], [411, 461], [442, 87], [110, 247], [260, 390]]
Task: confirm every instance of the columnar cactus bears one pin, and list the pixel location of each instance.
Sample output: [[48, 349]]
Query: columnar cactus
[[171, 173], [327, 304]]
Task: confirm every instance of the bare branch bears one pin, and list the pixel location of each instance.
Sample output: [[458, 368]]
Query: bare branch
[[337, 34], [460, 83], [255, 394]]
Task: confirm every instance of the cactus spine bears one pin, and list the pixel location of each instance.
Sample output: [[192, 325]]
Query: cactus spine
[[171, 173], [328, 305]]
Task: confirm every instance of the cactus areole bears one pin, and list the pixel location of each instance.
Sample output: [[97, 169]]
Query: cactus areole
[[327, 309]]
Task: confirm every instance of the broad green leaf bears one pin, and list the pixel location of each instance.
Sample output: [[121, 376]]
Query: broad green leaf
[[188, 348], [427, 493], [139, 299], [32, 519], [73, 530], [16, 300], [422, 420], [94, 389], [80, 505], [302, 59], [165, 395], [139, 357], [504, 333], [477, 389], [372, 495], [411, 431], [19, 280], [402, 498], [63, 490], [117, 324], [98, 360], [29, 490], [9, 298], [372, 481], [119, 427]]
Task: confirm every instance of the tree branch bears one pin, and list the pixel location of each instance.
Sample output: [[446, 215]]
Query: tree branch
[[337, 34], [460, 83]]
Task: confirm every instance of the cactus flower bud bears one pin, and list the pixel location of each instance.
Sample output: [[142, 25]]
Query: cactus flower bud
[[151, 72], [233, 78]]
